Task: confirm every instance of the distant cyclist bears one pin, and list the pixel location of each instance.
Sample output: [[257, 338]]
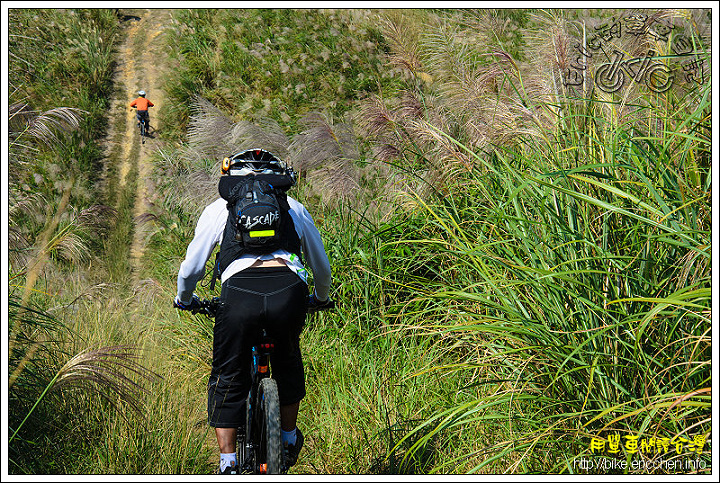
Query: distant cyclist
[[142, 104], [266, 290]]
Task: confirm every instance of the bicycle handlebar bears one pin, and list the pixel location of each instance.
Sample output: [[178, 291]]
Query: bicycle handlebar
[[209, 306], [313, 306]]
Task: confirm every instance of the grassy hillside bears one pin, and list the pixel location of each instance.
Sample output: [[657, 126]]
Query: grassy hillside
[[520, 241]]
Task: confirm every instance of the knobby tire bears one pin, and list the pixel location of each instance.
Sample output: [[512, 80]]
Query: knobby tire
[[268, 424]]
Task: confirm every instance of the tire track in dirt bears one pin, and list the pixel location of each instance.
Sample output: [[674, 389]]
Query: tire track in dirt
[[141, 58]]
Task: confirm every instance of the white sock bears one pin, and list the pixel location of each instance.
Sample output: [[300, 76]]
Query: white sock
[[289, 437], [227, 459]]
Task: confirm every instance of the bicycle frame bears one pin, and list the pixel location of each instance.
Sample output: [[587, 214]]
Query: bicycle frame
[[260, 369]]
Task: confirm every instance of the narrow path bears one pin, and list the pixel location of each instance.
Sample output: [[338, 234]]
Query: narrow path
[[140, 60]]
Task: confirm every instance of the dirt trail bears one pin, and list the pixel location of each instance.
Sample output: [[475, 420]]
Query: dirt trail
[[141, 60]]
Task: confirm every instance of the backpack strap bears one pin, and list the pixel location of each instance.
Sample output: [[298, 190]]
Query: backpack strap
[[227, 183], [216, 271]]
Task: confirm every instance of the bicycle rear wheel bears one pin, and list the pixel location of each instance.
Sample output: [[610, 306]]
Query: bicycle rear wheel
[[269, 453]]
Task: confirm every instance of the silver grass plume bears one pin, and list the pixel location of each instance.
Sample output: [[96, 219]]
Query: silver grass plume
[[71, 240], [43, 126], [320, 141], [32, 206], [401, 33], [327, 151], [336, 180], [264, 132], [189, 185], [379, 123], [208, 129], [113, 371], [197, 189], [214, 135], [448, 57], [27, 128]]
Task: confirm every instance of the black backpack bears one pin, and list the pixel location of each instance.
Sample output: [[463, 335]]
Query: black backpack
[[255, 211], [258, 221]]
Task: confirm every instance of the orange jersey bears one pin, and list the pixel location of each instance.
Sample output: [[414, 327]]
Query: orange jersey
[[141, 103]]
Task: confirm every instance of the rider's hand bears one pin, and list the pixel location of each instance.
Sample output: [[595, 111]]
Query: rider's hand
[[193, 305], [315, 304]]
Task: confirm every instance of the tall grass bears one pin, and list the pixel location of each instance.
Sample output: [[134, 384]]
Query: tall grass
[[53, 155], [520, 267], [579, 338], [570, 265], [48, 386], [73, 369]]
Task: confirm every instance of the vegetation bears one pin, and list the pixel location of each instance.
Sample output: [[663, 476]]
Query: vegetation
[[81, 390], [521, 261]]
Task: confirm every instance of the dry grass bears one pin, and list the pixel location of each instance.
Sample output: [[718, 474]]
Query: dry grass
[[265, 132], [325, 151], [114, 371], [44, 126]]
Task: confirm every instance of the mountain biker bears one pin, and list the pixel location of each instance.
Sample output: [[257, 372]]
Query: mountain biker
[[268, 291], [142, 104]]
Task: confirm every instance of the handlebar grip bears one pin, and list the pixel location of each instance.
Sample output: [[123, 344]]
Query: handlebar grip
[[205, 306], [313, 306]]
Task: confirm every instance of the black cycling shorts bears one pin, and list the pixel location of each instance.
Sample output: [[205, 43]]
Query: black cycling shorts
[[273, 298]]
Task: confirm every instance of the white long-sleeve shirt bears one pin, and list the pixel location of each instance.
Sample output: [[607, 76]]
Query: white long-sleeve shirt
[[209, 232]]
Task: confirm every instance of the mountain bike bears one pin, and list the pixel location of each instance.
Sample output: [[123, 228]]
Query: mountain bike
[[259, 444], [144, 125]]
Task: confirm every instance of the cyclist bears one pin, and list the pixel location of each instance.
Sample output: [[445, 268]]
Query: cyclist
[[142, 104], [268, 291]]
